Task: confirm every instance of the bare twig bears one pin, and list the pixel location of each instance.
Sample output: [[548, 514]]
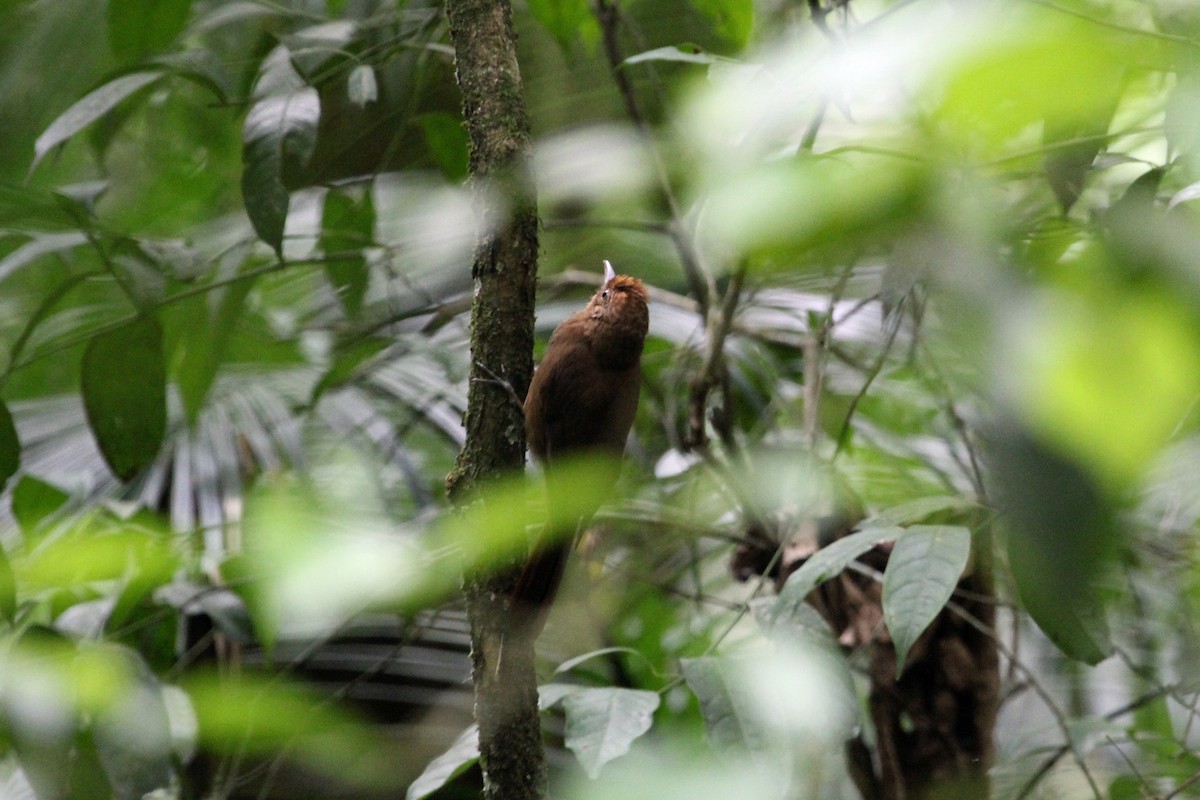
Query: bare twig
[[713, 369], [700, 283]]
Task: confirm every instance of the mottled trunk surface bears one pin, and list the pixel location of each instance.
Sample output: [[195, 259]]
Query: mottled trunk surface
[[505, 273]]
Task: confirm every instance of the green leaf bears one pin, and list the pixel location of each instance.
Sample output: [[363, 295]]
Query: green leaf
[[728, 718], [348, 226], [447, 142], [1113, 407], [8, 588], [41, 244], [346, 364], [922, 571], [1061, 539], [827, 563], [563, 19], [201, 66], [89, 109], [280, 132], [361, 85], [125, 394], [33, 500], [918, 510], [733, 20], [10, 446], [137, 28], [449, 765], [205, 343], [602, 723]]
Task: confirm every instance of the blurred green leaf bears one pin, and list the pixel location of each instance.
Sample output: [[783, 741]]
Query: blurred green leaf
[[89, 109], [40, 244], [918, 510], [8, 588], [138, 28], [922, 571], [447, 141], [84, 556], [783, 209], [602, 723], [125, 394], [732, 19], [1062, 539], [348, 227], [132, 733], [457, 759], [268, 716], [33, 499], [1107, 377], [204, 344], [201, 66], [1049, 67], [562, 19], [280, 133], [10, 446]]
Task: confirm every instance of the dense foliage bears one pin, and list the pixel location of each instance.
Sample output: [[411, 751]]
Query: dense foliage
[[929, 267]]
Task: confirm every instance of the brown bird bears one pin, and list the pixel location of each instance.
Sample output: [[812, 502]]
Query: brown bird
[[583, 398]]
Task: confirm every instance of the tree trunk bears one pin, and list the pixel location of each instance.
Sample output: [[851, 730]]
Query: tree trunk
[[505, 273]]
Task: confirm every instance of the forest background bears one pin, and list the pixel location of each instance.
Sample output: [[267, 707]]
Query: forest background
[[926, 295]]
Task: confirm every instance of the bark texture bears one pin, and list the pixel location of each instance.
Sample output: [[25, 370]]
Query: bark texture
[[505, 274]]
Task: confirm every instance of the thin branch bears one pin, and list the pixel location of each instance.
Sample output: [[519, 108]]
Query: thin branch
[[700, 283], [843, 434], [713, 369]]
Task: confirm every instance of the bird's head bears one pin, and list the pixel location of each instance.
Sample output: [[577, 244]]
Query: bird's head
[[621, 301]]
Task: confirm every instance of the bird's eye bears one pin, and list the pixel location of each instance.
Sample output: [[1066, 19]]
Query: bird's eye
[[604, 294]]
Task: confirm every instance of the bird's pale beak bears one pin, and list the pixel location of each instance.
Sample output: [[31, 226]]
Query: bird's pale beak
[[609, 272]]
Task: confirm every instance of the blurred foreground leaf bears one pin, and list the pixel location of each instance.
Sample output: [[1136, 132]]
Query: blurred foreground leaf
[[1062, 539]]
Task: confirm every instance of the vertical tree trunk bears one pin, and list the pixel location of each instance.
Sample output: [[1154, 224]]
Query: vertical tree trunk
[[505, 273]]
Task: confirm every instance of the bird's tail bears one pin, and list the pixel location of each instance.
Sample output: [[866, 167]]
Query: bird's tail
[[540, 578]]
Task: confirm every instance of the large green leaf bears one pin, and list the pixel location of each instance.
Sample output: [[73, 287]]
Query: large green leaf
[[280, 131], [90, 108], [138, 28], [1062, 538], [125, 394], [602, 723], [922, 571]]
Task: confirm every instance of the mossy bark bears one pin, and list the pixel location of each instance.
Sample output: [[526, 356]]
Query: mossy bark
[[505, 273]]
